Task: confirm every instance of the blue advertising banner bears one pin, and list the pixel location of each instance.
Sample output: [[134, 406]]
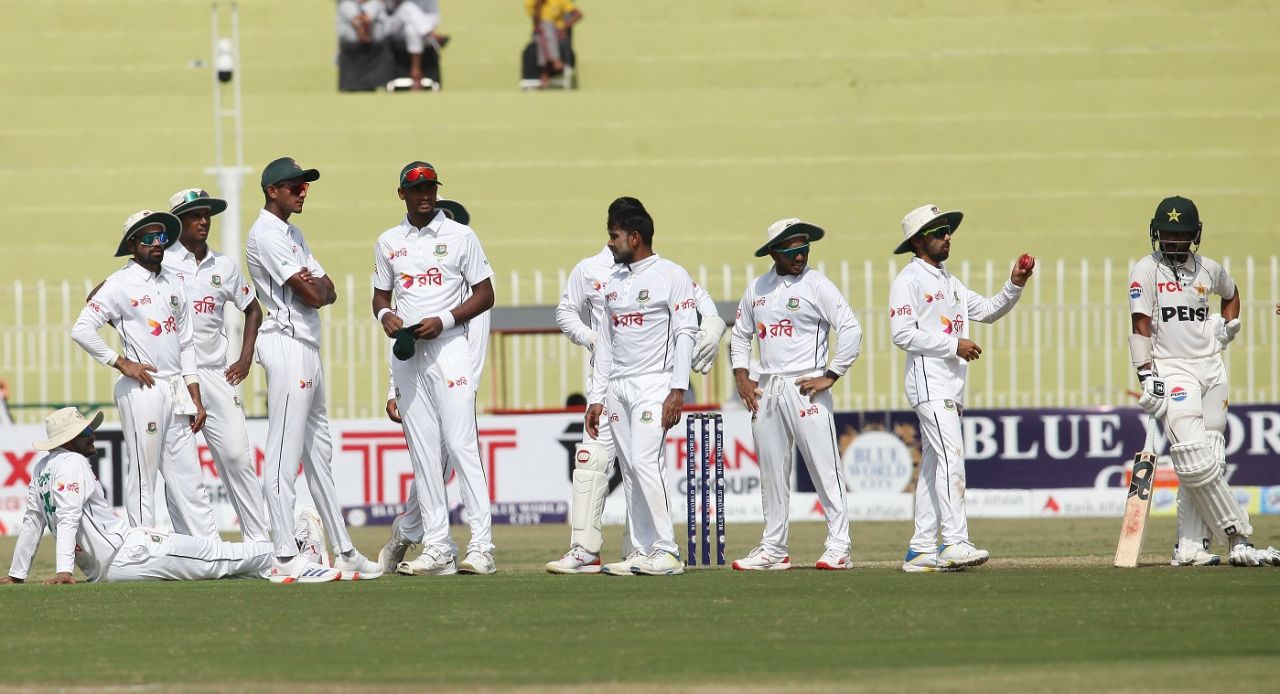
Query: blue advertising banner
[[1042, 448]]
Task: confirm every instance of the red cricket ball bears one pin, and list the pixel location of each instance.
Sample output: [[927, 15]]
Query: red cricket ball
[[1026, 261]]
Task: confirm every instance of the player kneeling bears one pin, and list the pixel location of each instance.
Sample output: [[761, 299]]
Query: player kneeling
[[65, 497]]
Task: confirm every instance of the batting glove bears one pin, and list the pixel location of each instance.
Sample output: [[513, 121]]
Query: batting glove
[[1153, 398], [1226, 332], [707, 344]]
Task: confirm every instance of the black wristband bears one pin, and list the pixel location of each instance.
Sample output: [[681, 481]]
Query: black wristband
[[1143, 375], [831, 375]]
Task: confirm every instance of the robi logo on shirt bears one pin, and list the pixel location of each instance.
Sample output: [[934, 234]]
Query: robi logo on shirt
[[305, 384], [813, 409], [170, 325], [950, 326], [460, 381]]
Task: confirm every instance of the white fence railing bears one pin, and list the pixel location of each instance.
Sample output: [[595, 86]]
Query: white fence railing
[[1064, 345]]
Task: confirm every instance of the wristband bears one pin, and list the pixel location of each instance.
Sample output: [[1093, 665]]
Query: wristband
[[446, 320], [382, 312], [831, 375], [1143, 375], [190, 380]]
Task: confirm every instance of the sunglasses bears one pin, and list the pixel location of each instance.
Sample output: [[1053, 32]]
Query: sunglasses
[[88, 431], [154, 238], [791, 253], [939, 232], [421, 173], [295, 188]]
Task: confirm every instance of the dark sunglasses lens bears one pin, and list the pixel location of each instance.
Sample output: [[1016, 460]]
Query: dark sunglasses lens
[[793, 252], [938, 231], [154, 238]]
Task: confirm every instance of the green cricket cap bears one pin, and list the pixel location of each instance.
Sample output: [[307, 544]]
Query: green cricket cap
[[284, 169]]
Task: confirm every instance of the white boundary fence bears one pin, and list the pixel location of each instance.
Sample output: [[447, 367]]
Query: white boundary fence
[[1064, 345]]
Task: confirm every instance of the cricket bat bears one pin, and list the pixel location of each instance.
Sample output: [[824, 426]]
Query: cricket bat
[[1138, 505]]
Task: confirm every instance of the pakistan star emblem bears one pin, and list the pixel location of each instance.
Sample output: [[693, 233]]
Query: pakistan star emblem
[[1174, 214]]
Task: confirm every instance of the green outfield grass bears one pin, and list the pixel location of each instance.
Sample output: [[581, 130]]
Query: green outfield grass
[[1055, 126], [1048, 613]]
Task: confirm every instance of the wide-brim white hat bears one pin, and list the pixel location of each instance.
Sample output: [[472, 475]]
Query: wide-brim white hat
[[64, 425], [921, 218], [784, 229]]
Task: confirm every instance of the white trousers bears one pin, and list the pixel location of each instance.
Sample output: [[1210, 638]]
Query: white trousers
[[787, 420], [297, 429], [940, 488], [157, 440], [155, 555], [437, 409], [634, 404], [413, 23], [224, 431]]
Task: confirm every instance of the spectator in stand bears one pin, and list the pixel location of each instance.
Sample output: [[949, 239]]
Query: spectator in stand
[[552, 20], [413, 21]]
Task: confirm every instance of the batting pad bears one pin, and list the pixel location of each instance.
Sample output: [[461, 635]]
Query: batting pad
[[590, 487], [1203, 479]]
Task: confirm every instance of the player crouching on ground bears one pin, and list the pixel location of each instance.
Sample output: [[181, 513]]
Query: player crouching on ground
[[792, 309], [1176, 346], [929, 315], [65, 497]]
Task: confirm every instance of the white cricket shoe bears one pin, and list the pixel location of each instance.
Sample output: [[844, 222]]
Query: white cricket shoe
[[658, 563], [308, 533], [759, 559], [921, 562], [301, 570], [963, 554], [432, 562], [832, 560], [1190, 552], [1245, 554], [357, 568], [622, 568], [477, 562], [576, 561], [393, 552]]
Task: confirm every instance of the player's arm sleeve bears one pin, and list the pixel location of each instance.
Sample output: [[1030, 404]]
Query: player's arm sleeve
[[275, 252], [242, 292], [837, 312], [391, 382], [382, 273], [905, 330], [96, 313], [475, 264], [29, 534], [186, 333], [1223, 284], [989, 309], [313, 263], [684, 326], [569, 310], [702, 300], [743, 329], [68, 503], [1142, 292], [601, 365]]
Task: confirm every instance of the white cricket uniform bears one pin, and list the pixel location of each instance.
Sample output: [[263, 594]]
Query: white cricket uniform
[[65, 497], [288, 349], [793, 318], [211, 284], [929, 311], [151, 313], [1185, 355], [429, 270], [643, 353]]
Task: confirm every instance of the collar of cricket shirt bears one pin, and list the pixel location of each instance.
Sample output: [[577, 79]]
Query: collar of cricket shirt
[[132, 267], [931, 268], [432, 227], [642, 265]]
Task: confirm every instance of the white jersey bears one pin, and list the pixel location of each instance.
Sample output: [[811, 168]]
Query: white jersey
[[793, 317], [275, 252], [650, 322], [65, 497], [429, 270], [929, 311], [584, 293], [1177, 299], [211, 284], [151, 313]]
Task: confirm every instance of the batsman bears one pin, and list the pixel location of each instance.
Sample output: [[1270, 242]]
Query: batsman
[[1176, 347]]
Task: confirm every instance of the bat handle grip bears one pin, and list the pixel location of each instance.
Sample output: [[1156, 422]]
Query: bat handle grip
[[1152, 425]]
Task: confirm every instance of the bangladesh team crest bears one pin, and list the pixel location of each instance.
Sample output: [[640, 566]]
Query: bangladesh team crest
[[173, 300], [216, 280], [643, 296], [236, 399], [793, 304], [646, 417], [442, 249], [151, 427]]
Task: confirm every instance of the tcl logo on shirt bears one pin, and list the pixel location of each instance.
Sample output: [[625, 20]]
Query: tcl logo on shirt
[[1183, 313], [1168, 287]]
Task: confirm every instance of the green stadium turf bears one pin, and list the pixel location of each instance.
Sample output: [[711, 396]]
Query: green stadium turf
[[1047, 613]]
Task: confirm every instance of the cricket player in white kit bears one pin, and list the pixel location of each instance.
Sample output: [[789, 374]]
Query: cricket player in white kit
[[584, 293], [213, 282], [792, 310], [929, 314], [1175, 346], [65, 497], [158, 392], [293, 286], [428, 263], [640, 375]]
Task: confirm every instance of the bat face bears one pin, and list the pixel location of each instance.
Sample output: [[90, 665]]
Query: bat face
[[1144, 474], [1136, 508]]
